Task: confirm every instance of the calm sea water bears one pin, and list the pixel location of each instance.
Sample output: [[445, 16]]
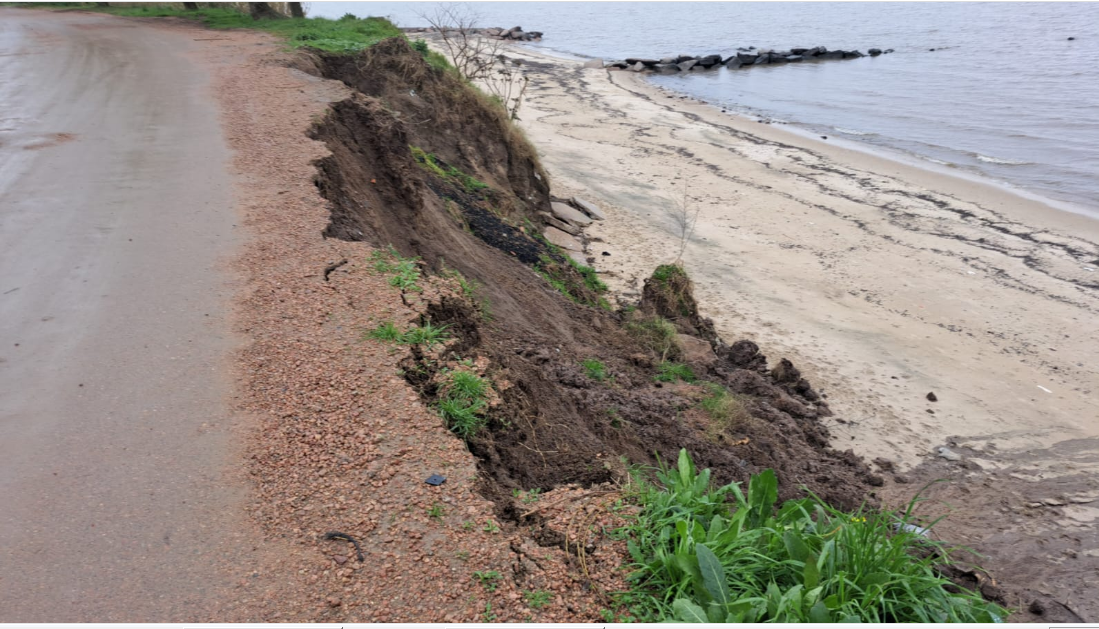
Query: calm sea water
[[1004, 95]]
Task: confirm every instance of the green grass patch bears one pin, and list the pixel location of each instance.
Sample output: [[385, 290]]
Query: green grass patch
[[462, 402], [387, 331], [667, 272], [404, 272], [437, 167], [595, 369], [345, 35], [427, 335], [537, 599], [667, 371], [697, 559], [489, 579]]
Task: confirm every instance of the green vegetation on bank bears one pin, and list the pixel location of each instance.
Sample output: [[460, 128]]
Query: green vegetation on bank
[[698, 558], [434, 165], [463, 402], [347, 34]]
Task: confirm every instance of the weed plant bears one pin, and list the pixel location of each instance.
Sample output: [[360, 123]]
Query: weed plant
[[668, 371], [463, 402], [595, 369], [699, 559]]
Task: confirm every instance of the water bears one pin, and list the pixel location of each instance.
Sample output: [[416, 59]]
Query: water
[[1004, 95]]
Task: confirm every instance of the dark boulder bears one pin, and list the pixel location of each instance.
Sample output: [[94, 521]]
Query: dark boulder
[[709, 61], [887, 51], [669, 60], [874, 52], [762, 60], [775, 57], [833, 54], [746, 58], [687, 65], [682, 58], [648, 62], [734, 62], [666, 67], [798, 51]]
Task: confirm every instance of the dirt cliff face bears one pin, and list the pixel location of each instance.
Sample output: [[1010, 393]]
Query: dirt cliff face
[[554, 424]]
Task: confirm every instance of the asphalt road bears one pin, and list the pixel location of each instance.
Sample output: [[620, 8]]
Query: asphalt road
[[117, 490]]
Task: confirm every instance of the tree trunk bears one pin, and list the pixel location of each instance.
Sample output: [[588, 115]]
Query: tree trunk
[[295, 9], [190, 6], [263, 11]]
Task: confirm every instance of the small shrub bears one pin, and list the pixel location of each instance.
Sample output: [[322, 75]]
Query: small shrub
[[595, 369], [436, 511], [668, 371]]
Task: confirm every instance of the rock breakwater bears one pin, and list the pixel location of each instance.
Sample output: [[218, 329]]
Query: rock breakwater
[[743, 58]]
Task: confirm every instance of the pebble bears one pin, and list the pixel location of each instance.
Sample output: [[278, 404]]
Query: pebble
[[948, 454]]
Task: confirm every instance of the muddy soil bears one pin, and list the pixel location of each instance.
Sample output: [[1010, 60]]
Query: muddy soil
[[555, 425], [1029, 515]]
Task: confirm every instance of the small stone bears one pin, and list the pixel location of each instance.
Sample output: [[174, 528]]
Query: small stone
[[948, 454], [561, 239], [570, 214], [931, 397], [339, 559], [1053, 502], [334, 602], [1036, 606], [589, 208]]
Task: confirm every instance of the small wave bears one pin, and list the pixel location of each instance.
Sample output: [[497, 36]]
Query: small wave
[[851, 131], [997, 160], [939, 161]]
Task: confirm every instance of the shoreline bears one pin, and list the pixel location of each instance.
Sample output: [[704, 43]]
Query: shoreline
[[865, 155], [800, 134]]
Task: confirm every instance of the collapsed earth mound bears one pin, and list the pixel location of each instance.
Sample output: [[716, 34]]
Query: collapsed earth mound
[[426, 164]]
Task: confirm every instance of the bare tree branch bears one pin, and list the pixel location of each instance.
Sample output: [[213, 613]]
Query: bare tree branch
[[476, 57]]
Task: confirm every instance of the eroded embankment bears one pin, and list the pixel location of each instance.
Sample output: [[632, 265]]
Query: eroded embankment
[[426, 165]]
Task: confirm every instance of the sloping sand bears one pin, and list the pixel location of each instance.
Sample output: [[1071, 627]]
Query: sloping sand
[[881, 281]]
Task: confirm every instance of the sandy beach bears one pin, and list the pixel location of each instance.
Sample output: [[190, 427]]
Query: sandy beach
[[883, 282]]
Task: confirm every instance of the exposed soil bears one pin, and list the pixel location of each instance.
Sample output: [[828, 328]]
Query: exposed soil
[[555, 425]]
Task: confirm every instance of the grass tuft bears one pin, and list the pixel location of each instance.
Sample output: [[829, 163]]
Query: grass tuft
[[595, 369], [668, 371], [463, 402], [726, 410], [698, 560], [428, 335], [656, 333]]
